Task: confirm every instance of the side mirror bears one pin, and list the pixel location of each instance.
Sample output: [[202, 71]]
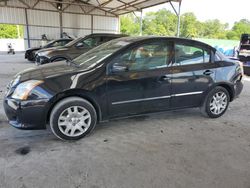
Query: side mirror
[[120, 68], [80, 45]]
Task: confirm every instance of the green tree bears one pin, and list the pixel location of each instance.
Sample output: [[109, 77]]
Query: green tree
[[190, 26], [160, 23], [10, 31], [130, 24], [214, 29], [164, 23], [243, 26]]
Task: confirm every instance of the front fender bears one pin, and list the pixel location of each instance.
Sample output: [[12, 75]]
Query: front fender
[[74, 93]]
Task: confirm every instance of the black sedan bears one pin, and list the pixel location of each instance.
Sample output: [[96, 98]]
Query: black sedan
[[30, 53], [124, 77]]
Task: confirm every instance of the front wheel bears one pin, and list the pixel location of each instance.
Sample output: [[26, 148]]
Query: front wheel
[[72, 118], [216, 102]]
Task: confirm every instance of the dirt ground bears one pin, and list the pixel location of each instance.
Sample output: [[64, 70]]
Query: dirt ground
[[179, 149]]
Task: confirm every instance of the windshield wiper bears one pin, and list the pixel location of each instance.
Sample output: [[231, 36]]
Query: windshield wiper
[[71, 62]]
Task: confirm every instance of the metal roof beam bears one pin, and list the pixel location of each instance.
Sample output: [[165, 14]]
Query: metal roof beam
[[107, 2], [80, 4], [34, 5], [71, 3], [127, 4], [173, 8], [21, 1]]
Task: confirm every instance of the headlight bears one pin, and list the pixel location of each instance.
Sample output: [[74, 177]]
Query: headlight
[[15, 81], [23, 90], [43, 53]]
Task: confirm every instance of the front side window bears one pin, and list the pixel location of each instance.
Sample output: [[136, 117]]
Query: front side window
[[65, 42], [89, 42], [189, 55], [152, 55], [57, 43]]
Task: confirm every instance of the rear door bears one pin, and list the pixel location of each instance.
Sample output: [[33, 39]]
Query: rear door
[[193, 72]]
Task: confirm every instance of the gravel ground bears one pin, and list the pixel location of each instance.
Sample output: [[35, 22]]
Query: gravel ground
[[173, 149]]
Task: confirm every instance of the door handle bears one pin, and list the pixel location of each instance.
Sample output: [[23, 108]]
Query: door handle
[[208, 72], [164, 78]]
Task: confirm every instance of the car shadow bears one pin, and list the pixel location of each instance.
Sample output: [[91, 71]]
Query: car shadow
[[154, 117], [22, 142]]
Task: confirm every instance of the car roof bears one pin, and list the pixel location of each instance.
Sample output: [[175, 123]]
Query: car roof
[[64, 39], [175, 39], [108, 34]]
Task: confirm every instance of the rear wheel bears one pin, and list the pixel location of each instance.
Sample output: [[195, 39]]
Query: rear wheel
[[216, 102], [72, 118]]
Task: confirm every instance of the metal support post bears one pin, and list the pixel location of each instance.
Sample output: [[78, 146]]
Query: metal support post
[[141, 23], [179, 20], [27, 27]]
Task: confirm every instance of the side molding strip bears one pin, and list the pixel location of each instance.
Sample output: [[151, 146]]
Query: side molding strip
[[185, 94], [139, 100], [156, 98]]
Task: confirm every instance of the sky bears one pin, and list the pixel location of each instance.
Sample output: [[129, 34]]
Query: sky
[[227, 11]]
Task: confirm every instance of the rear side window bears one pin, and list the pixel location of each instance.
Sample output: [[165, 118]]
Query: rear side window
[[106, 39], [218, 56], [189, 55], [65, 42]]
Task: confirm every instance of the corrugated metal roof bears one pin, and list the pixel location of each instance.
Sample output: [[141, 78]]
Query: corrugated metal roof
[[113, 7], [119, 7]]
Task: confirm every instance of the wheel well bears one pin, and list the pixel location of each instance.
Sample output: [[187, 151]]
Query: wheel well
[[58, 57], [229, 89], [96, 107]]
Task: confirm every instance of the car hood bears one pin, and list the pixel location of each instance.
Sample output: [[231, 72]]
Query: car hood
[[53, 49], [46, 71], [32, 49]]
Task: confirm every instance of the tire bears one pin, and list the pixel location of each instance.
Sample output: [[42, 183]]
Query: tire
[[74, 125], [215, 108]]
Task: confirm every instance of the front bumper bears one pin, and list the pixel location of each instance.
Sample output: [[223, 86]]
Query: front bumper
[[26, 114], [29, 55]]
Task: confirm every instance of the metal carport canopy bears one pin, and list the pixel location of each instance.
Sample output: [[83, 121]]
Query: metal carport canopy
[[76, 17], [119, 7], [114, 7]]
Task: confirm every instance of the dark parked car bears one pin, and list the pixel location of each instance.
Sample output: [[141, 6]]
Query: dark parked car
[[30, 53], [74, 48], [123, 77], [244, 52]]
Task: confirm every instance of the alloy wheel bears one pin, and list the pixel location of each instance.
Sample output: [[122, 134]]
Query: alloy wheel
[[74, 121], [218, 103]]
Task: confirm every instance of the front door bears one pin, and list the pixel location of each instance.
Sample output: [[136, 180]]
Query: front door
[[140, 80], [193, 72]]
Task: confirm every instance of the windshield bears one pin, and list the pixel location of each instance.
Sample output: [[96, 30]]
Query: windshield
[[96, 55], [49, 43], [73, 42]]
